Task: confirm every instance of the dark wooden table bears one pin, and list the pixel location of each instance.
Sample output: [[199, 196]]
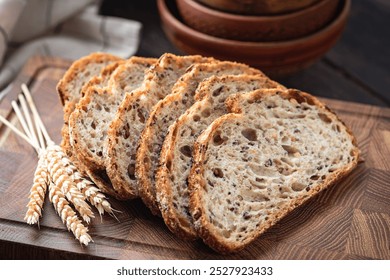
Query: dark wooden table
[[356, 69], [351, 221]]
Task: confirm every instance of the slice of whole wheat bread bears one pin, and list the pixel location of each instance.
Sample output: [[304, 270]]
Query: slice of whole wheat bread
[[95, 82], [165, 112], [253, 168], [81, 74], [95, 111], [176, 153], [125, 130]]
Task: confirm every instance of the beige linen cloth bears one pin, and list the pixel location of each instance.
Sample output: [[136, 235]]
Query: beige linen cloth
[[62, 28]]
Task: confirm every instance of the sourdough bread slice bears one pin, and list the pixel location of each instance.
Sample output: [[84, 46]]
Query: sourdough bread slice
[[81, 74], [165, 112], [176, 153], [90, 121], [126, 128], [252, 169]]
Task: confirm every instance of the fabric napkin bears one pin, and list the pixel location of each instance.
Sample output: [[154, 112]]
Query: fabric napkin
[[68, 29]]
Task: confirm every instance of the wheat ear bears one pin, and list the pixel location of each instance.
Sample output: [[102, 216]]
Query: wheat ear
[[87, 188], [68, 216], [37, 193], [92, 193], [55, 159]]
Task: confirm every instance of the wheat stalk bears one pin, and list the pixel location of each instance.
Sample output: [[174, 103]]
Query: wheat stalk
[[37, 193], [55, 159], [88, 189], [68, 216]]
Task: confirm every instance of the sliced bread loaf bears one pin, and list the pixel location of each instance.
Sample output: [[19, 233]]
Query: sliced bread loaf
[[89, 122], [165, 112], [80, 75], [176, 153], [252, 169], [126, 128]]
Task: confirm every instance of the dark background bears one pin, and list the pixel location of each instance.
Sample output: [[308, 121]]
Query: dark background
[[356, 69]]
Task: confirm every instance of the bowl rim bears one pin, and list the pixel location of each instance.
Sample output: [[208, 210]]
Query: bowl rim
[[251, 18], [342, 15]]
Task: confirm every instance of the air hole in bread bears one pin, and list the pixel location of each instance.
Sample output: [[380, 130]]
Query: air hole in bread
[[168, 164], [218, 172], [217, 92], [99, 154], [131, 171], [297, 187], [242, 229], [314, 177], [206, 113], [246, 215], [93, 125], [336, 128], [126, 132], [98, 107], [186, 150], [249, 134], [324, 118], [217, 139], [196, 118], [332, 169], [141, 116]]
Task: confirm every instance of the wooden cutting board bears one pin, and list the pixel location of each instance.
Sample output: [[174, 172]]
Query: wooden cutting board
[[351, 220]]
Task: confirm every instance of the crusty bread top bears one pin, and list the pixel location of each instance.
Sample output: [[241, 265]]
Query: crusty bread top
[[176, 154], [127, 126], [80, 72], [165, 112], [94, 112], [251, 169]]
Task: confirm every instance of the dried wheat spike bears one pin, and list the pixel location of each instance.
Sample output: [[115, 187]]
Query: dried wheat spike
[[61, 179], [68, 216], [37, 193], [92, 193]]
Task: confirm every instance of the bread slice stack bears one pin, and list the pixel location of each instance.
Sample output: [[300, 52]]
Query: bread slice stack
[[216, 148]]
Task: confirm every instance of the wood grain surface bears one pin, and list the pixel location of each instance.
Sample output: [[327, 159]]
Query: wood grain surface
[[350, 220]]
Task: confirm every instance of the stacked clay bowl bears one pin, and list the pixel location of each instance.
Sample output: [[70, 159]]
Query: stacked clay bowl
[[274, 35]]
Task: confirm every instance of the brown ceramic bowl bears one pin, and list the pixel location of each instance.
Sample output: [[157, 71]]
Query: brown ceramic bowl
[[257, 28], [273, 58], [258, 7]]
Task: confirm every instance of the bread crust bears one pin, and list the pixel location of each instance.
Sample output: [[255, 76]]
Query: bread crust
[[197, 183], [164, 113]]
